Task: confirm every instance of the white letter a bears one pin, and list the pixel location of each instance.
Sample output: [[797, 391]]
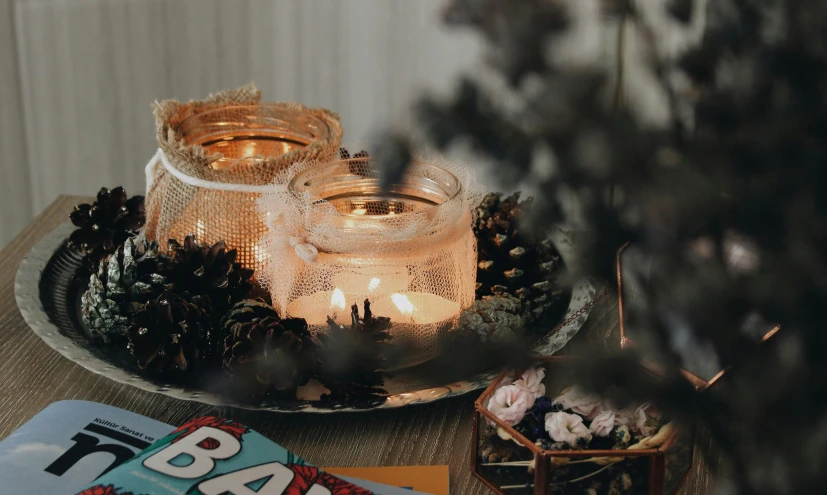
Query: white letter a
[[235, 483]]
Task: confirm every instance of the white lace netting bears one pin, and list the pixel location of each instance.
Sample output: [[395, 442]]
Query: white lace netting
[[422, 248]]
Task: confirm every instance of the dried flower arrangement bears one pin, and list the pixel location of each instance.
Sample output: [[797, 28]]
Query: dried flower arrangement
[[573, 420]]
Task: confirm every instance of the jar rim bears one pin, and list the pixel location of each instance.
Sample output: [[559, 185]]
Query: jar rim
[[325, 131], [451, 190]]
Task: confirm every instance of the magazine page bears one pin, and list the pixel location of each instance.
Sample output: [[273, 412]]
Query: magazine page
[[69, 444], [215, 456], [383, 489], [428, 479]]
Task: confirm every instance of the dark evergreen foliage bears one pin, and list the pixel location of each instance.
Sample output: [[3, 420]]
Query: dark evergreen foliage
[[746, 172]]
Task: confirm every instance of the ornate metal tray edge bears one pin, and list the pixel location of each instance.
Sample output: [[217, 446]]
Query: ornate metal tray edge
[[28, 295]]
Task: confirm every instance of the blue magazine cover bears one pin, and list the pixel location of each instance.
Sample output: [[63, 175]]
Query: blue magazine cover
[[75, 447], [70, 443], [216, 456]]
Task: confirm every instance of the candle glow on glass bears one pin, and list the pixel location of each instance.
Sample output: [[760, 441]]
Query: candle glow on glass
[[417, 308], [371, 281], [403, 304], [315, 308], [337, 300], [250, 149]]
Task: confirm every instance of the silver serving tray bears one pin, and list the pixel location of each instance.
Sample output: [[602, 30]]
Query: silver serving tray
[[48, 290]]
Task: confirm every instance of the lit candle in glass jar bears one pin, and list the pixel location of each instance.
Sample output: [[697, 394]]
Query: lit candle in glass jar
[[372, 282], [408, 248], [316, 307], [418, 308]]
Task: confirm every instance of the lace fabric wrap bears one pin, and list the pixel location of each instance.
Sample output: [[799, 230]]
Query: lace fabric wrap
[[205, 183], [411, 252]]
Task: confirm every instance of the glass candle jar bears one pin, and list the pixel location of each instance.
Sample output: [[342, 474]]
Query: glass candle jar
[[409, 249], [253, 133], [215, 159]]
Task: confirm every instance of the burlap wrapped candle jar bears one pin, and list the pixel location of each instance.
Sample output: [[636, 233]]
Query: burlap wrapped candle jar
[[215, 158]]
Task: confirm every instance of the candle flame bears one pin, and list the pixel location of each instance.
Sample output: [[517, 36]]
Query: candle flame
[[199, 230], [249, 150], [374, 284], [337, 300], [403, 304]]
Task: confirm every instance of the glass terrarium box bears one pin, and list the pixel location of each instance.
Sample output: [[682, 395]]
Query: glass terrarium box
[[537, 432]]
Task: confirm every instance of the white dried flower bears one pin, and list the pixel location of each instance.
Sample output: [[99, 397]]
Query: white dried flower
[[629, 416], [578, 400], [532, 381], [603, 423], [637, 421], [636, 418], [642, 416], [510, 403], [568, 428]]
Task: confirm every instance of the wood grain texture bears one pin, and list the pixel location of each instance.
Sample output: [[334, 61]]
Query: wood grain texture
[[33, 376]]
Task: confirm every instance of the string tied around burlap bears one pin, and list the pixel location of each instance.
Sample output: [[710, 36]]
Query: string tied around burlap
[[160, 162]]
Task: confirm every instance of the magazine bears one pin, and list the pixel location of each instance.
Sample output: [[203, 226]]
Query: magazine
[[84, 447], [69, 444], [216, 456], [427, 479]]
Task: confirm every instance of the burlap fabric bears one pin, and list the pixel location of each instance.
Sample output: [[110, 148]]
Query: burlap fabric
[[187, 193]]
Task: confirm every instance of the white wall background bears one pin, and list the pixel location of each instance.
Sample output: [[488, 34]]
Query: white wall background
[[77, 76]]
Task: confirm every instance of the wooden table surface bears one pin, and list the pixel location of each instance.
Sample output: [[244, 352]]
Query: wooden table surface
[[32, 376]]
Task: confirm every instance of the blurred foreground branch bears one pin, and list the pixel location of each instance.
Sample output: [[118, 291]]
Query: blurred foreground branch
[[739, 166]]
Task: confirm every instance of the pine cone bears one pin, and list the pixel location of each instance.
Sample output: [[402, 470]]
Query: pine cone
[[124, 282], [512, 261], [351, 358], [264, 352], [168, 334], [208, 270], [494, 319], [107, 223]]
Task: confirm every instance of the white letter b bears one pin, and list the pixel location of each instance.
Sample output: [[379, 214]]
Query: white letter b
[[203, 459]]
